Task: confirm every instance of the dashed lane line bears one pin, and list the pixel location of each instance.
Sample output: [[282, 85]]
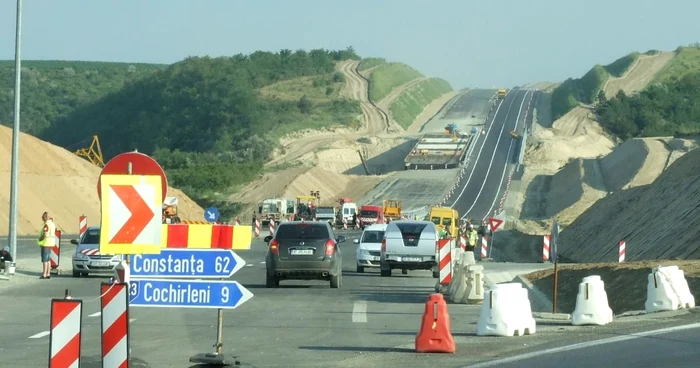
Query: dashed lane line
[[40, 335], [359, 312], [96, 314]]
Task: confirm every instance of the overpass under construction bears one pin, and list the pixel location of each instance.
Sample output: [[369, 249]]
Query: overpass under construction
[[438, 151]]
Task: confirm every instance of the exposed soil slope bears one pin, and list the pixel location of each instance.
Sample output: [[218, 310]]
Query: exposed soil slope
[[55, 180], [657, 221], [639, 75]]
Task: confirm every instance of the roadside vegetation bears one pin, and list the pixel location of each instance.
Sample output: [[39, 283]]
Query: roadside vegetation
[[413, 101], [660, 110], [369, 63], [573, 92], [387, 77], [211, 122], [687, 60]]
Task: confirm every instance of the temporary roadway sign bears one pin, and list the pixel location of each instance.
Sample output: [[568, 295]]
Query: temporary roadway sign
[[139, 164], [494, 223], [131, 221], [211, 214], [187, 294], [187, 263]]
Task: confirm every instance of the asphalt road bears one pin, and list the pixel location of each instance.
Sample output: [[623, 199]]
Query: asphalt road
[[371, 321], [491, 159], [469, 109]]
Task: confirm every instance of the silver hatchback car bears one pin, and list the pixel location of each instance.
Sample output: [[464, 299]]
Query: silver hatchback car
[[409, 245], [87, 258]]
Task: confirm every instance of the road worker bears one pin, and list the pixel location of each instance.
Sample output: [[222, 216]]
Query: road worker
[[472, 236], [46, 241]]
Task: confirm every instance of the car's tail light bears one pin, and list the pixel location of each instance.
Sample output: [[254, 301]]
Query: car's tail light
[[383, 245], [437, 246], [274, 247], [330, 247]]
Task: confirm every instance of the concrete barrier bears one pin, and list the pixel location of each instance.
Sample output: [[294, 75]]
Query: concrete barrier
[[592, 306], [474, 285], [506, 312], [667, 290]]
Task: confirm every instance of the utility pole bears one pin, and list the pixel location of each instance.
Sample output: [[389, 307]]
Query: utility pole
[[14, 171]]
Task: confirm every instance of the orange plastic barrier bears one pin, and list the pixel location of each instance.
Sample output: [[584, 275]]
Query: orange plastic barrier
[[434, 335]]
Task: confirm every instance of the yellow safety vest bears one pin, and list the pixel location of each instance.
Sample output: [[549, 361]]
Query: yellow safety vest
[[472, 237], [50, 240]]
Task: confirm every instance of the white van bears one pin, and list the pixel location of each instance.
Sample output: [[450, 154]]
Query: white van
[[347, 212], [369, 246], [409, 245]]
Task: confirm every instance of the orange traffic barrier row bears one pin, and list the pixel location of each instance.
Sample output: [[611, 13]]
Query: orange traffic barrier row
[[196, 236]]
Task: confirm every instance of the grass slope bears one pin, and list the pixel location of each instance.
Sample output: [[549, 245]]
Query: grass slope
[[413, 101], [687, 60], [387, 77], [369, 63], [585, 89]]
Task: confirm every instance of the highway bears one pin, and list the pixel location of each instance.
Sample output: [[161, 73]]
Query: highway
[[467, 110], [486, 176]]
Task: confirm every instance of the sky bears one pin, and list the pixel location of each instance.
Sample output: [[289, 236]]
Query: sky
[[494, 43]]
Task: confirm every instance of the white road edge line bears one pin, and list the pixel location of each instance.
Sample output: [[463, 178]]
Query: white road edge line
[[40, 335], [359, 312], [483, 142], [505, 167], [584, 345], [132, 319], [96, 314], [495, 150]]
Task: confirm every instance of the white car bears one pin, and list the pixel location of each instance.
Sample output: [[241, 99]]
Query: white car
[[87, 258], [369, 247]]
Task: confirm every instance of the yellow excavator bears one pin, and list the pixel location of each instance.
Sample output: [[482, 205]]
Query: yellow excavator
[[93, 153]]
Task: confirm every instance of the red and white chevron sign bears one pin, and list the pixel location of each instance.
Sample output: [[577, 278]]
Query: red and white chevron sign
[[90, 252]]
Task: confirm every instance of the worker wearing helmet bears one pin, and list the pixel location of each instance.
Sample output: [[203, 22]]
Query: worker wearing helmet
[[471, 238]]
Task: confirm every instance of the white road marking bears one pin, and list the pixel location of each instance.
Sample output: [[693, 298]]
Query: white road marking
[[132, 319], [505, 167], [493, 156], [263, 262], [96, 314], [359, 312], [40, 335], [249, 265], [483, 143], [584, 345]]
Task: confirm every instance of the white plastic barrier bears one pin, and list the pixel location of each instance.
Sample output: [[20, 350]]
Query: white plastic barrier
[[457, 271], [506, 311], [474, 292], [592, 306], [667, 290]]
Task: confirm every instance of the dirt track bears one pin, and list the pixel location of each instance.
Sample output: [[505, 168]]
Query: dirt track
[[638, 76]]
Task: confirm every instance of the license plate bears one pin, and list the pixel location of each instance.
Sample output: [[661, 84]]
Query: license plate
[[411, 259], [302, 252], [100, 264]]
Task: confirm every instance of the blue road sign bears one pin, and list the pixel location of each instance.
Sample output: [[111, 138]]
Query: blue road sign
[[211, 214], [187, 294], [187, 263]]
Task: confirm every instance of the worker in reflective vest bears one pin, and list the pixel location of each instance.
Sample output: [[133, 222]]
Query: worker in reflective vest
[[47, 240], [472, 237]]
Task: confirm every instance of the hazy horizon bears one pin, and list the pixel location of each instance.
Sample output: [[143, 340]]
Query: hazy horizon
[[489, 44]]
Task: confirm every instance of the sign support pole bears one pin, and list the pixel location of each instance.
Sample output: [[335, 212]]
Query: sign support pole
[[555, 286]]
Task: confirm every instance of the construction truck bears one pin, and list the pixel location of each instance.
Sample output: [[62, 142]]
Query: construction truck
[[275, 209], [514, 134], [326, 214], [392, 209], [502, 93], [306, 206], [170, 215]]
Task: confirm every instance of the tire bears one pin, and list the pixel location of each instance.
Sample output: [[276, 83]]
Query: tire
[[385, 273], [436, 274], [271, 281], [404, 272], [337, 281], [360, 269], [77, 274]]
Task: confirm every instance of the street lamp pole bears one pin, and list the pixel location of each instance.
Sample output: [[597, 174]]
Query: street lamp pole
[[15, 137]]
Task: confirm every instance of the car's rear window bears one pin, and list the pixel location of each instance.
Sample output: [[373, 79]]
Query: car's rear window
[[447, 221], [375, 236], [435, 220], [302, 231], [412, 230], [91, 237]]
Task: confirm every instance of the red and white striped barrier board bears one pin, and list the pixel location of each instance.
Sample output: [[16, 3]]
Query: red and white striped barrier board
[[115, 325], [257, 228], [545, 248], [621, 252], [463, 242], [357, 224], [445, 260], [271, 228], [64, 340], [55, 256], [345, 223], [90, 252], [82, 226], [484, 246]]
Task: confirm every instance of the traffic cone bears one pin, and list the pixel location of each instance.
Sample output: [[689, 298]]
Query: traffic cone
[[434, 335]]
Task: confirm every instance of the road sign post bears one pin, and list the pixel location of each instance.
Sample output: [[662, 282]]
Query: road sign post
[[554, 240]]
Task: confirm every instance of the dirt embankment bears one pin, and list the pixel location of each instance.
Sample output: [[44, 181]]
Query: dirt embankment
[[625, 284], [55, 180], [639, 75]]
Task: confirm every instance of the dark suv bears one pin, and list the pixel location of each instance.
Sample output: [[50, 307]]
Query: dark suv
[[304, 251]]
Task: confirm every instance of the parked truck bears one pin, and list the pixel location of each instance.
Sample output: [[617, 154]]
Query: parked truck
[[275, 209], [392, 209], [326, 214], [502, 93], [306, 207], [371, 215]]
